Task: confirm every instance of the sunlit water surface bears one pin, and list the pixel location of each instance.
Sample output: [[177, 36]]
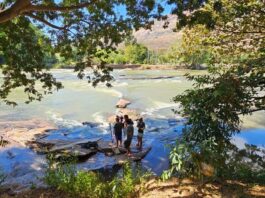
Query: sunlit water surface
[[79, 102]]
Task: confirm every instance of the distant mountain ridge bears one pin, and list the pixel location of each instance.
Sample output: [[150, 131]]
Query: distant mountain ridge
[[159, 38]]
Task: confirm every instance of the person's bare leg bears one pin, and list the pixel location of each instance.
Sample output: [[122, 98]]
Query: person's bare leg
[[129, 152], [141, 143], [138, 141], [117, 142]]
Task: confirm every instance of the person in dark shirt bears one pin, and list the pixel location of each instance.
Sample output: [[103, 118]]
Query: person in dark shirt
[[126, 118], [118, 131], [130, 131], [123, 127], [141, 127]]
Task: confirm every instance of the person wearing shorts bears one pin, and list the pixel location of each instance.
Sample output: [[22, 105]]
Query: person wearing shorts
[[118, 131], [141, 127], [128, 141]]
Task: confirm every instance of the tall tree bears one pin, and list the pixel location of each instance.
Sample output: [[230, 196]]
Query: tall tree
[[192, 50], [235, 83], [88, 26]]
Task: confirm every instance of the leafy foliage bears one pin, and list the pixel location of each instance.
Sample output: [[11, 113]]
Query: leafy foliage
[[202, 160], [135, 53], [83, 27], [247, 164], [132, 53], [23, 68], [235, 83], [65, 177], [234, 86], [192, 51]]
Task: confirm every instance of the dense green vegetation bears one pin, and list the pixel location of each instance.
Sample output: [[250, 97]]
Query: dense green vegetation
[[32, 40], [65, 177], [192, 50], [131, 53], [226, 36], [189, 52], [233, 87], [74, 28]]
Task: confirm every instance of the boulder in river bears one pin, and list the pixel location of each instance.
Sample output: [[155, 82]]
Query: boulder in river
[[122, 103], [91, 124]]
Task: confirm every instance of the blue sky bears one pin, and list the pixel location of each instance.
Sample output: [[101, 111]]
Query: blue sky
[[168, 8]]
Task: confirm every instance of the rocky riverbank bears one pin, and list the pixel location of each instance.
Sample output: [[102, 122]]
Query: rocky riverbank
[[23, 158], [18, 133], [21, 166]]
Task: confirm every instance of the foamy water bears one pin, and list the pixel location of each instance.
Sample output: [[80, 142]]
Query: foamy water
[[79, 102]]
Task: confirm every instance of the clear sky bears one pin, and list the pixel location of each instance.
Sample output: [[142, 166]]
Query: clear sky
[[168, 8]]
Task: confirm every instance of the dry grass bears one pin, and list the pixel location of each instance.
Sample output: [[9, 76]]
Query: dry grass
[[170, 189], [190, 188]]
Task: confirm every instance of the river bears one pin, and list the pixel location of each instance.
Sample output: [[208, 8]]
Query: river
[[150, 93]]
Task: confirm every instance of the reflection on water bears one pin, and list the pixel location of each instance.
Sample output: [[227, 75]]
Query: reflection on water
[[252, 136]]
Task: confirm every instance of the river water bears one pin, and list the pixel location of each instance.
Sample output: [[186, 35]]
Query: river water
[[79, 101], [150, 93]]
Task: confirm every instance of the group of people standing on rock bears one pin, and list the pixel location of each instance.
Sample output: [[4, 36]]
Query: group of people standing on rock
[[125, 124]]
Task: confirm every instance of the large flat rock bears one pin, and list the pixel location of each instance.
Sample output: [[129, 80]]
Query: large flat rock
[[75, 151], [60, 147], [110, 148], [57, 145], [18, 133], [136, 156]]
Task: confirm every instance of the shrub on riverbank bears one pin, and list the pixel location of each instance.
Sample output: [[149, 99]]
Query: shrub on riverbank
[[66, 178], [204, 162]]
